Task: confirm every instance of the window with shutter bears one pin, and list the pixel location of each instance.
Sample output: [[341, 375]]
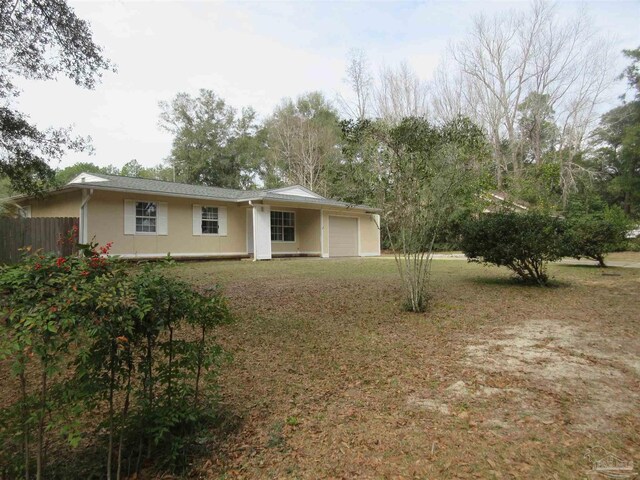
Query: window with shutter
[[146, 217], [209, 220]]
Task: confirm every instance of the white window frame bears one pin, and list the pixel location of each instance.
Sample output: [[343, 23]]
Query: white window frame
[[216, 220], [295, 232], [197, 220], [131, 214], [155, 217]]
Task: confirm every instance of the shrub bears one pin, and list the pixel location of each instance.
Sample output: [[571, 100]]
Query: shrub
[[594, 235], [88, 339], [522, 242], [633, 244]]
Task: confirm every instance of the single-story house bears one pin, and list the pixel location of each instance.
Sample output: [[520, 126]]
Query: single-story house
[[502, 201], [152, 218]]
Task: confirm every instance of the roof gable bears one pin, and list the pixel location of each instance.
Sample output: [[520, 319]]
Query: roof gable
[[88, 177], [297, 190]]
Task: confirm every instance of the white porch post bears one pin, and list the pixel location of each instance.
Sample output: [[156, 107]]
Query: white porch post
[[83, 233], [261, 232], [322, 253]]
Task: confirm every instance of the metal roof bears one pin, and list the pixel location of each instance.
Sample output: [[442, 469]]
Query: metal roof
[[102, 181]]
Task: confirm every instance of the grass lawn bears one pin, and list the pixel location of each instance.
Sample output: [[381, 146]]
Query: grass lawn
[[330, 379]]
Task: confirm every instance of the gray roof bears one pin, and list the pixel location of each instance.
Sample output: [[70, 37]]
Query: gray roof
[[143, 185]]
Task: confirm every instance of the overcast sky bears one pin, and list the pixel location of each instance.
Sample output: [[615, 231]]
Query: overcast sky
[[254, 54]]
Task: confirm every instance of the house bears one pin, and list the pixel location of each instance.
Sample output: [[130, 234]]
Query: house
[[152, 218], [496, 201]]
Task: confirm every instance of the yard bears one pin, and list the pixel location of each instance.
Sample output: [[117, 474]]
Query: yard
[[329, 378]]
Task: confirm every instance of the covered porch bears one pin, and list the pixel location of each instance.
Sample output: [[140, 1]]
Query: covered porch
[[282, 230]]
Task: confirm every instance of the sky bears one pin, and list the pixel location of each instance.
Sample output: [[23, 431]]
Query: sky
[[255, 54]]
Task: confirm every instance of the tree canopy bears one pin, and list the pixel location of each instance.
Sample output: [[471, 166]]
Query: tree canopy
[[617, 146], [303, 139], [40, 40], [210, 139]]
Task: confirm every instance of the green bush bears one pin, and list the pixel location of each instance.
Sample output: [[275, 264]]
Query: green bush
[[522, 242], [95, 346], [594, 235], [633, 245]]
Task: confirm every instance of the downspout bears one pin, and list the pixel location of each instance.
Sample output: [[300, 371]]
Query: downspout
[[84, 217]]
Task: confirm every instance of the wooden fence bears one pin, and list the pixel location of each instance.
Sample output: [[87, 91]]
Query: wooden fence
[[39, 233]]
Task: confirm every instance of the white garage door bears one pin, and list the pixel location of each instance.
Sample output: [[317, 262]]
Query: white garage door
[[343, 237]]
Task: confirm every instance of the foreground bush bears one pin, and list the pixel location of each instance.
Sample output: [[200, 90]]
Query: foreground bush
[[594, 235], [99, 363], [522, 242]]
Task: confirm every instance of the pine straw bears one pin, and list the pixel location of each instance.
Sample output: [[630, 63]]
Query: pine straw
[[501, 380]]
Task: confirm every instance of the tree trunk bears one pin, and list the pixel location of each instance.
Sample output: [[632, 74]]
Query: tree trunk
[[25, 418], [112, 375], [43, 409], [200, 354], [125, 411]]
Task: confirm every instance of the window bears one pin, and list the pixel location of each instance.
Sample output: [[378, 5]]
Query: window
[[146, 217], [283, 227], [209, 220]]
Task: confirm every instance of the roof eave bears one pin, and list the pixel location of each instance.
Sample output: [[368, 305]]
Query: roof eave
[[157, 193], [23, 196], [94, 186], [318, 203]]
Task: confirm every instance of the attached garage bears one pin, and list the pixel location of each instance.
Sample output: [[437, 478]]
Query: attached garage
[[343, 236]]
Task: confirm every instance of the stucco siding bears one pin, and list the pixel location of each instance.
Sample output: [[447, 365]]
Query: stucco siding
[[58, 205], [370, 235], [106, 223]]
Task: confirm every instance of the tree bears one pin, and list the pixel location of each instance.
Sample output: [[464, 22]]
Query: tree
[[632, 72], [400, 93], [302, 142], [40, 40], [426, 174], [595, 234], [522, 242], [132, 168], [67, 174], [450, 95], [360, 80], [537, 62], [209, 145], [359, 173], [537, 130], [617, 141]]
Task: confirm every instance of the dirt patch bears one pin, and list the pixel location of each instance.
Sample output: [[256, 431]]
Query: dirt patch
[[564, 359]]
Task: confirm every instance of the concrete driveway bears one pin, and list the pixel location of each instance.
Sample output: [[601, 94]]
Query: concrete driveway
[[564, 261]]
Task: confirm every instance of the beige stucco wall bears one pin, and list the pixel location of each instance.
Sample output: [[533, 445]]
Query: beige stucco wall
[[369, 231], [106, 223], [57, 205], [369, 235], [307, 237]]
